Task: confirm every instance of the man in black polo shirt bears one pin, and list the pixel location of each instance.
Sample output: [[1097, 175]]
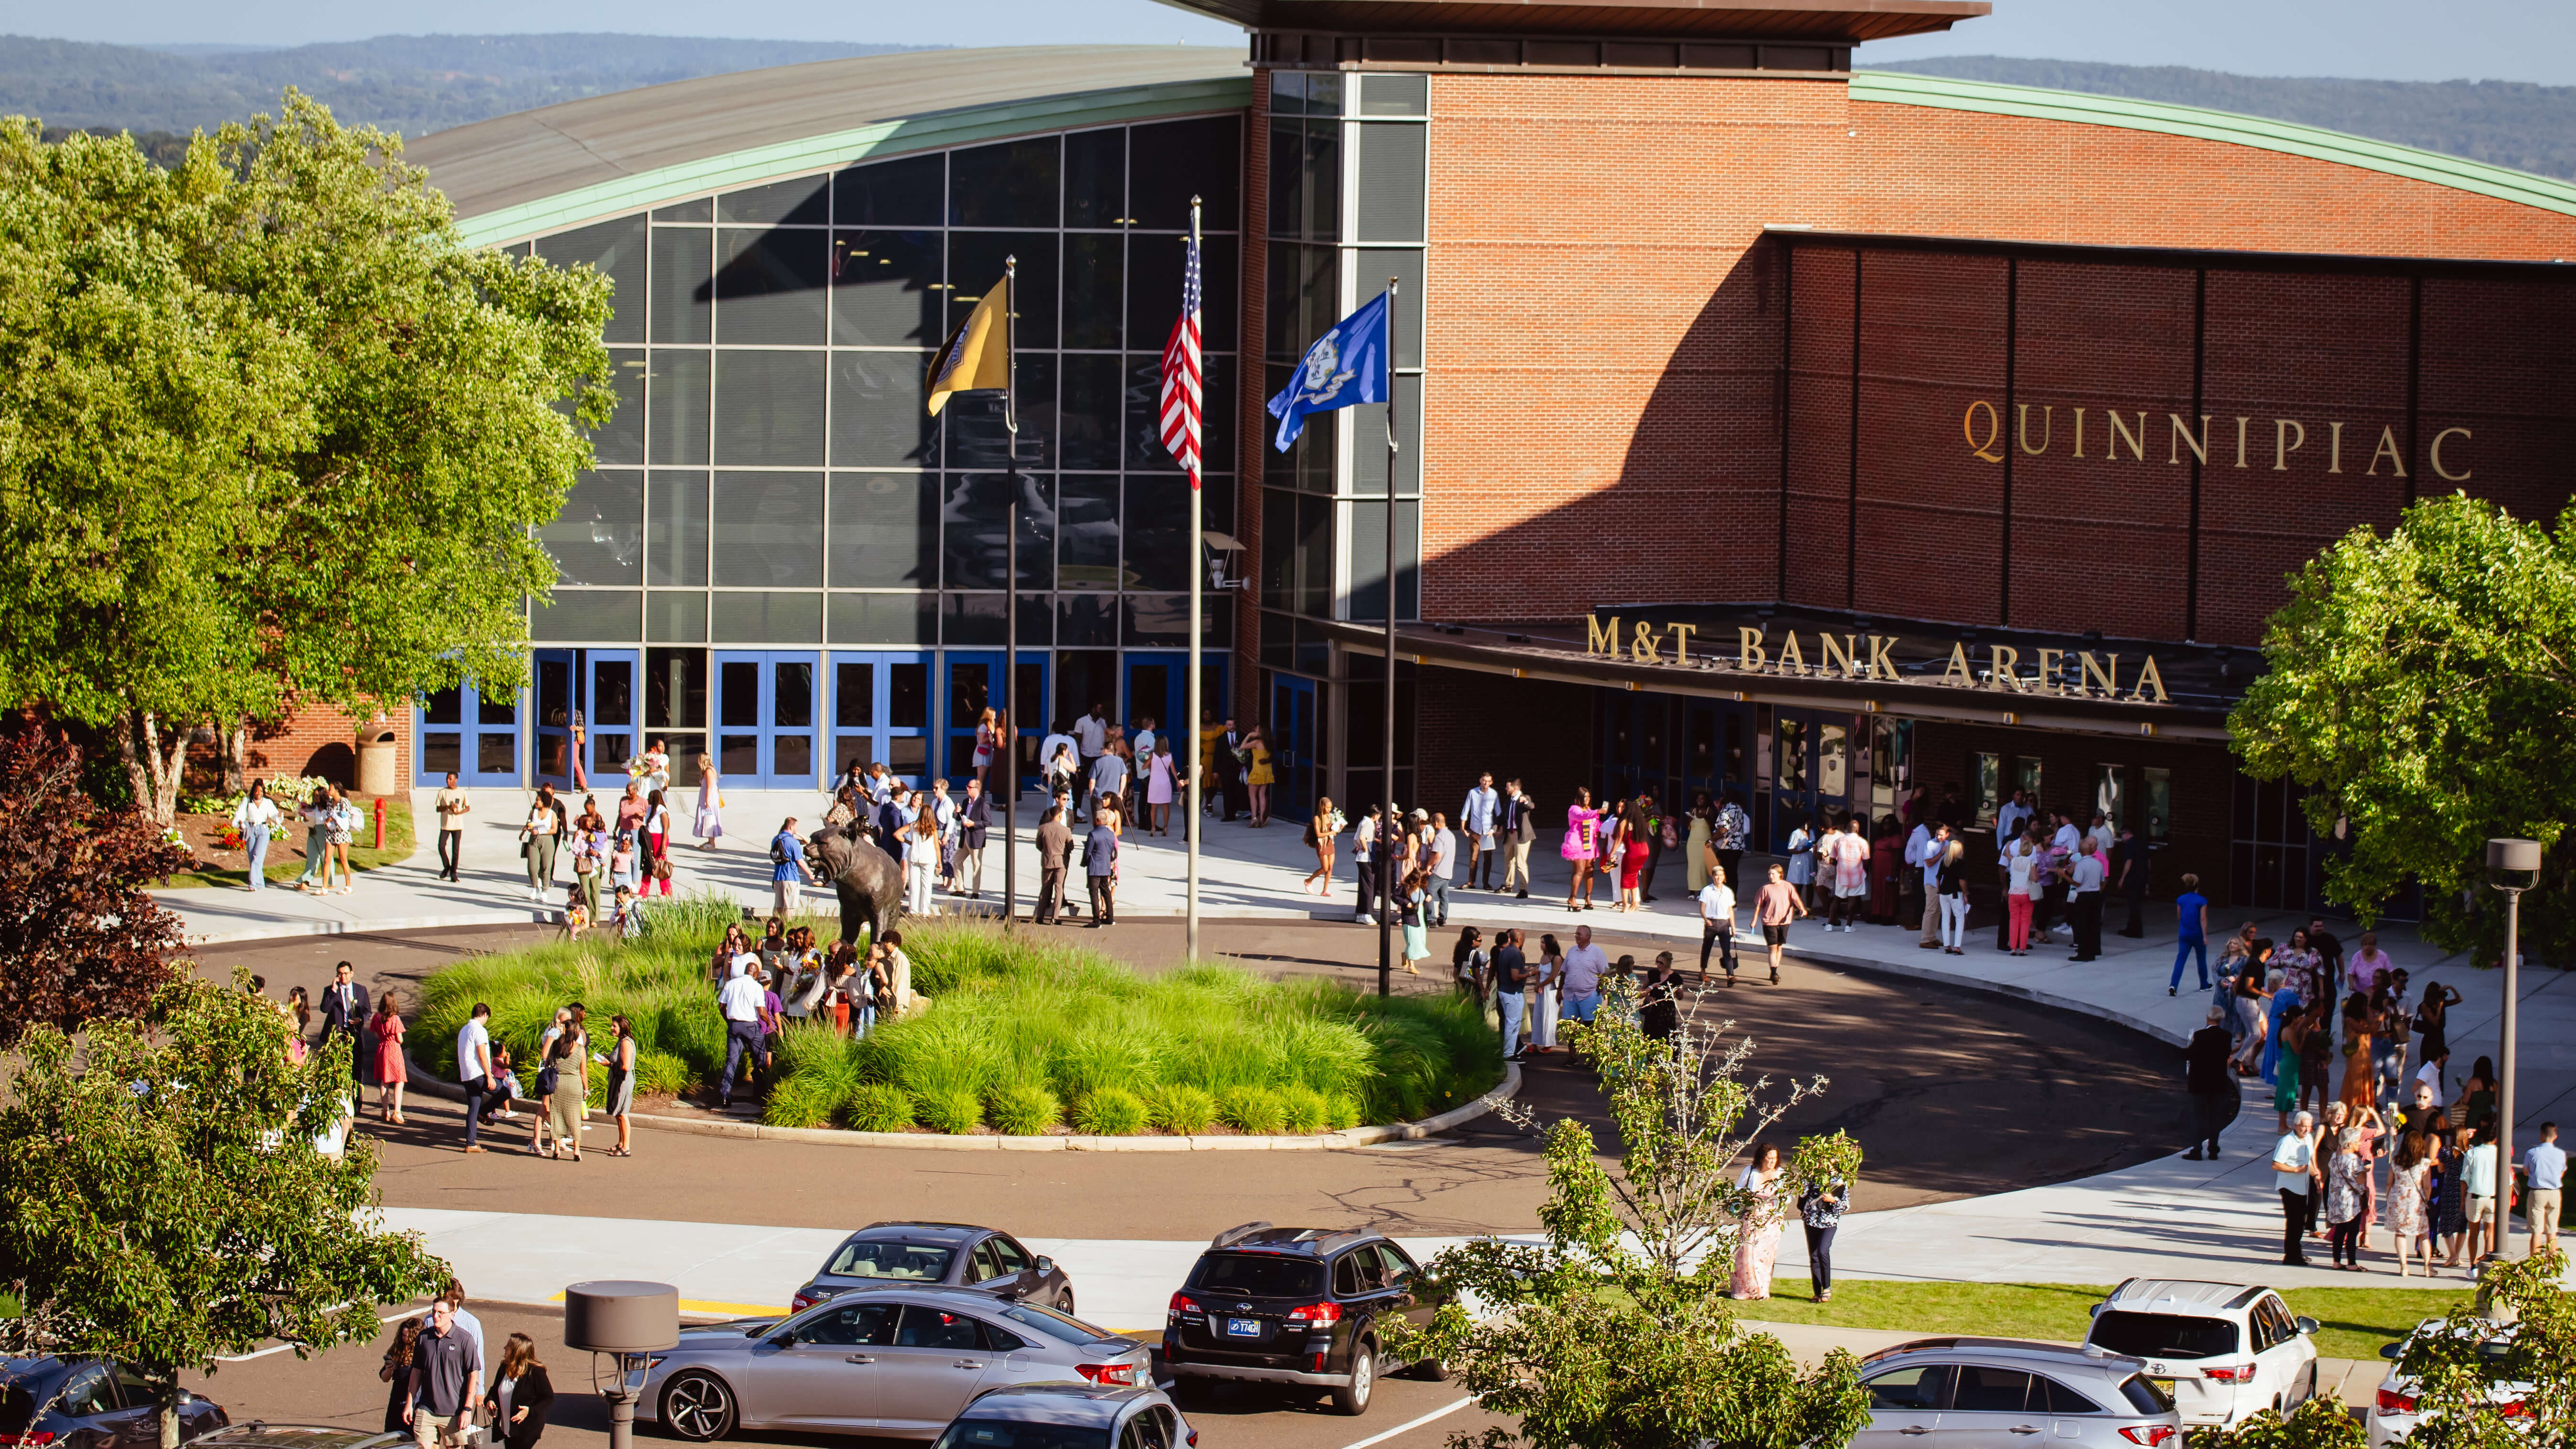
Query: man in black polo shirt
[[442, 1381], [2212, 1087]]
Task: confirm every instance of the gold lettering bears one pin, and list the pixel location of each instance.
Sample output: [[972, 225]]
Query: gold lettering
[[2089, 669], [1681, 642], [2047, 426], [1958, 669], [1994, 430], [1844, 651], [2282, 446], [1793, 660], [2240, 441], [2182, 434], [2435, 454], [1598, 641], [1749, 654], [2387, 449], [1882, 665], [2136, 441], [2079, 432], [2148, 679], [2007, 662], [2048, 682], [2334, 448], [1641, 645]]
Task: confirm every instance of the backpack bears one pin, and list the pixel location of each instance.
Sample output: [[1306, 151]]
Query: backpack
[[778, 849]]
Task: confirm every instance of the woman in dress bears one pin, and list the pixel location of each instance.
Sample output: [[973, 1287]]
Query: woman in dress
[[1320, 830], [1258, 777], [396, 1370], [709, 825], [1541, 996], [2360, 1074], [1636, 848], [1582, 846], [2347, 1189], [1659, 1005], [1757, 1228], [2409, 1182], [621, 1095], [1802, 862], [1161, 783], [570, 1058], [2301, 963], [2451, 1203], [385, 1037], [988, 743], [1886, 857], [2289, 1031], [1413, 899], [1695, 847], [1467, 963]]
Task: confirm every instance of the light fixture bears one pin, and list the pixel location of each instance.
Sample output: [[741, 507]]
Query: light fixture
[[1224, 562]]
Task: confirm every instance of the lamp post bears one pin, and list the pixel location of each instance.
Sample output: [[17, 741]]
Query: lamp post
[[2517, 860]]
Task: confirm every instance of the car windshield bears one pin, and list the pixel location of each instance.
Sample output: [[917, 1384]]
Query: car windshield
[[1013, 1434], [910, 1262], [1260, 1275], [2164, 1335], [1058, 1326]]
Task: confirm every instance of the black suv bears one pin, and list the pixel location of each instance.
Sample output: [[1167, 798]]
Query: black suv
[[1294, 1306]]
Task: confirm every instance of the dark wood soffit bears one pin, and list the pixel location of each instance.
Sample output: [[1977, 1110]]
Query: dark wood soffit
[[1846, 21], [2185, 258]]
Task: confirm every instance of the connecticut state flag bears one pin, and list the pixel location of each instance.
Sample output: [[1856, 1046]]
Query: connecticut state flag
[[1346, 365]]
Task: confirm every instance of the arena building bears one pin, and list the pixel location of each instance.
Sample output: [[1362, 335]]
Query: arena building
[[1767, 425]]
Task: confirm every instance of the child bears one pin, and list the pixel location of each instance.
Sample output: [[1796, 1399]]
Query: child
[[621, 866], [508, 1079], [630, 916], [576, 918]]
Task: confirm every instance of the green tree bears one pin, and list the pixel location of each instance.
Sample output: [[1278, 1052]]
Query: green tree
[[163, 1200], [2457, 1368], [2421, 689], [273, 435], [1615, 1330]]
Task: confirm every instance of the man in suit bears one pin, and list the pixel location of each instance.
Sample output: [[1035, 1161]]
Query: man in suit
[[344, 1009], [1229, 772], [1055, 844], [2212, 1087]]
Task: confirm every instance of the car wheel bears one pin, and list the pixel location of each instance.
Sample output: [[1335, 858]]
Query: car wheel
[[1353, 1398], [1431, 1371], [1064, 1302], [698, 1406]]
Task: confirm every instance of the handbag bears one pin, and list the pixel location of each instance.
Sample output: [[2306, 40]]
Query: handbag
[[661, 867], [546, 1078]]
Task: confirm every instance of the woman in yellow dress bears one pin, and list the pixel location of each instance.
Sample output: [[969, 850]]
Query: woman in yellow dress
[[1257, 745]]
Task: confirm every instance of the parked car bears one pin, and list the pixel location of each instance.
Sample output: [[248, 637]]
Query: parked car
[[90, 1403], [2394, 1413], [1300, 1306], [2228, 1350], [958, 1255], [896, 1362], [1989, 1393], [1051, 1416]]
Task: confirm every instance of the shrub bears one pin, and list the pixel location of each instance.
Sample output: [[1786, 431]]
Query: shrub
[[1254, 1111], [1180, 1110], [692, 917], [1303, 1111], [1024, 1109], [1342, 1111], [658, 1073], [1112, 1112], [801, 1102], [953, 1112], [877, 1107]]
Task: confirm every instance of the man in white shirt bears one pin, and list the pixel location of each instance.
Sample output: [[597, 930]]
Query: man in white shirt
[[2478, 1195], [2084, 898], [1717, 926], [741, 1001], [1363, 837], [1927, 862], [1091, 733], [1444, 861], [1144, 737], [1476, 819], [2294, 1166], [1909, 885], [2545, 1165], [1845, 848], [2067, 836], [2010, 819], [2429, 1076], [474, 1071], [1585, 965]]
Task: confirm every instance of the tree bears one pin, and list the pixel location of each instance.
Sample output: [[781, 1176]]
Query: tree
[[2455, 1368], [163, 1201], [273, 436], [80, 938], [2421, 689], [1616, 1331]]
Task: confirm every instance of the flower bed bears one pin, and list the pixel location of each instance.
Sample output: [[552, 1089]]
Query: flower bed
[[1019, 1037]]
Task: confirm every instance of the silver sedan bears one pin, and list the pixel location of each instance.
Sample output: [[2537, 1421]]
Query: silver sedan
[[898, 1363]]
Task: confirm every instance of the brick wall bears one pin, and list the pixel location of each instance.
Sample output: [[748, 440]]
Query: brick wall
[[314, 742], [1469, 722]]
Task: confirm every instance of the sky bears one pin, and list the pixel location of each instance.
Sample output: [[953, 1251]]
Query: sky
[[2525, 40]]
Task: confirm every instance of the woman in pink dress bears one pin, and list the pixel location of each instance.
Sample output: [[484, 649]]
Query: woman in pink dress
[[1757, 1231], [1582, 846], [1159, 788], [385, 1032]]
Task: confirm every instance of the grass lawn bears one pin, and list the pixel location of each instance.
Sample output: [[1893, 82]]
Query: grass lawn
[[2355, 1321], [1018, 1037], [286, 857]]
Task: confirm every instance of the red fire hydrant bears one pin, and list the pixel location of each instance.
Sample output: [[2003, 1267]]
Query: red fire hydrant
[[380, 822]]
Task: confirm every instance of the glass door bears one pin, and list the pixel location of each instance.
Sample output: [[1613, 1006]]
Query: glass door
[[1292, 747], [1793, 775], [880, 711], [463, 731], [554, 764], [765, 719], [608, 715], [971, 683]]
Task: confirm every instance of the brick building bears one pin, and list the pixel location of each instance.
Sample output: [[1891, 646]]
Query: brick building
[[1911, 430]]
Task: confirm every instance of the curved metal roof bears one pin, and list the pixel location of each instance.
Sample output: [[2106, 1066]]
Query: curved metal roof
[[534, 170]]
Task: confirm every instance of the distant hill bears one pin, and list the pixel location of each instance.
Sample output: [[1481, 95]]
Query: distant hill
[[412, 84], [2504, 123]]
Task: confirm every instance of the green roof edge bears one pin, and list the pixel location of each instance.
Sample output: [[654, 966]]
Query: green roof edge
[[839, 148], [2287, 137]]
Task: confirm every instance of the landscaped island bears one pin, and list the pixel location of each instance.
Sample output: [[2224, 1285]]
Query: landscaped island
[[1022, 1037]]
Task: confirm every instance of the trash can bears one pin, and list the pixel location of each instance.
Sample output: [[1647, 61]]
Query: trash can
[[376, 763]]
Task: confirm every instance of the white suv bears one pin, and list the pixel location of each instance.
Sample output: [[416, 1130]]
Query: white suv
[[2229, 1350], [2393, 1416]]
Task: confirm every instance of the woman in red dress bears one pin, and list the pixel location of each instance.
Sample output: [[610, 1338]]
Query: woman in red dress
[[1635, 850], [385, 1030], [1885, 854]]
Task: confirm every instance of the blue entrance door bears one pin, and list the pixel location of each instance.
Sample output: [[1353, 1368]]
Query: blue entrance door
[[555, 672], [465, 731], [765, 710], [1158, 684], [608, 713], [1292, 746], [880, 711], [970, 684], [1814, 757]]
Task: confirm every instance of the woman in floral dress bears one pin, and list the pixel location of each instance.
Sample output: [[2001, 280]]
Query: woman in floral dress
[[2409, 1181], [1757, 1232]]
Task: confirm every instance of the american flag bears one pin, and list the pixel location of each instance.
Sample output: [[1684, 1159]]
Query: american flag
[[1181, 381]]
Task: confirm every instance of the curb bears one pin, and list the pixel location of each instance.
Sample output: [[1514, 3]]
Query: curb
[[280, 930], [1341, 1141], [2050, 999]]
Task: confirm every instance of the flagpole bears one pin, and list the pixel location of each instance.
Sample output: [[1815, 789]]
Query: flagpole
[[1198, 630], [1385, 861], [1009, 742]]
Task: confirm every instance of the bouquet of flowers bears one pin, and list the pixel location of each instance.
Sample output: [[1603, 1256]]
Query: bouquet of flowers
[[638, 767]]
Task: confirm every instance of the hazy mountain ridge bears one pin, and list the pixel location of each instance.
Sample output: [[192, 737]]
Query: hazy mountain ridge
[[412, 84], [2503, 123]]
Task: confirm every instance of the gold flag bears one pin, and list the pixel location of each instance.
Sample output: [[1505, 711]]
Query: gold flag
[[976, 356]]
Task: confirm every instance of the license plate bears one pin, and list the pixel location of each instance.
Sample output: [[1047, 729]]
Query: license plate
[[1243, 1328]]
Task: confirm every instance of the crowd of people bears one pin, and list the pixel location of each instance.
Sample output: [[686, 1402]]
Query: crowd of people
[[435, 1389]]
